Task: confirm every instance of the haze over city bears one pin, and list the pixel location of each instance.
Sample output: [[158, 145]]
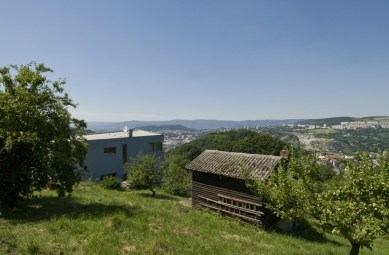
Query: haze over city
[[226, 60]]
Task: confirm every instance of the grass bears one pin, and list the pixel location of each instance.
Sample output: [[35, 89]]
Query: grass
[[98, 221]]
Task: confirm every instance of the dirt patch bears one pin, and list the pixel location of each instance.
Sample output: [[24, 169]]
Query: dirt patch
[[163, 246], [154, 227], [233, 237], [129, 249], [186, 202], [186, 231]]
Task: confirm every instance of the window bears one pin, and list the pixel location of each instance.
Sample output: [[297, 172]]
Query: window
[[110, 150], [124, 154], [157, 146]]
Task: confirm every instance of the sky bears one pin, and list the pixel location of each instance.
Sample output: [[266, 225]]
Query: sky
[[225, 60]]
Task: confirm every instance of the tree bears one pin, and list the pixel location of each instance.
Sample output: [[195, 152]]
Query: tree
[[357, 208], [37, 143], [144, 171], [290, 190], [176, 180]]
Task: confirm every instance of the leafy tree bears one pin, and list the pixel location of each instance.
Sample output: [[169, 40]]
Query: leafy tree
[[290, 190], [37, 143], [176, 180], [144, 171], [357, 208]]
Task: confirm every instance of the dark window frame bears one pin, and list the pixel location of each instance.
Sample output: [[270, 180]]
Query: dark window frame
[[155, 146], [110, 150]]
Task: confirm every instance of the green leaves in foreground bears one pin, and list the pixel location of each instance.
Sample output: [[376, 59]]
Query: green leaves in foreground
[[37, 143], [355, 207]]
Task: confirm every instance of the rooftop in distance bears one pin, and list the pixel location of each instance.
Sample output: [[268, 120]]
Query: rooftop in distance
[[119, 134]]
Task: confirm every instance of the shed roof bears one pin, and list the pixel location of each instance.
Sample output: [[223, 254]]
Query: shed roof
[[230, 164]]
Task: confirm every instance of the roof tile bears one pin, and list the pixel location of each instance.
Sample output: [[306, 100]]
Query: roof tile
[[230, 164]]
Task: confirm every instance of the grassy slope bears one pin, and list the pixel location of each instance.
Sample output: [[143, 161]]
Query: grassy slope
[[97, 221]]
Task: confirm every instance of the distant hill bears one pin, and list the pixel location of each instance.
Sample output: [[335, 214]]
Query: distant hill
[[196, 124], [375, 118], [154, 128], [327, 121], [337, 120]]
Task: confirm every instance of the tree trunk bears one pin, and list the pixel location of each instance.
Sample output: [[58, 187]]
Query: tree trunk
[[355, 248], [153, 192], [294, 226]]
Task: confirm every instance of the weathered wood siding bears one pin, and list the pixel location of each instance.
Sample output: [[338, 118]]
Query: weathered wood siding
[[209, 190]]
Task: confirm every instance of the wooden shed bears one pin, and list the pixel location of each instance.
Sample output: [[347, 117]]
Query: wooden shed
[[217, 184]]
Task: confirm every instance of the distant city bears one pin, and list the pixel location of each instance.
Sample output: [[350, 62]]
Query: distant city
[[345, 125]]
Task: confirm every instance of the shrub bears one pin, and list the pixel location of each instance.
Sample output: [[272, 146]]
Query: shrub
[[111, 182], [177, 181]]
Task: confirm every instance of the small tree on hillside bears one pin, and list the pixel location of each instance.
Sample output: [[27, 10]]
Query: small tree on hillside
[[290, 190], [145, 171], [176, 180], [357, 208]]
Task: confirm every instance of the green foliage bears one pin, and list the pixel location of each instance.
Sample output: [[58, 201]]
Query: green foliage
[[290, 190], [355, 207], [111, 182], [37, 143], [233, 141], [176, 180], [324, 173], [145, 172], [358, 207]]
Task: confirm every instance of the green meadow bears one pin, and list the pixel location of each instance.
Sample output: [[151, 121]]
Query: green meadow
[[97, 221]]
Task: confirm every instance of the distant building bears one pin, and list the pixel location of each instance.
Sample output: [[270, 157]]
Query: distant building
[[108, 152]]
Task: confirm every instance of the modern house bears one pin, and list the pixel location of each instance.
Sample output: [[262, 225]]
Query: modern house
[[108, 152], [217, 184]]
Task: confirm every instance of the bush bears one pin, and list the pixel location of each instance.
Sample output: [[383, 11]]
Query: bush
[[177, 181], [111, 182]]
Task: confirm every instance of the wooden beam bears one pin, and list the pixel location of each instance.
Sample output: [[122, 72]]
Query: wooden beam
[[257, 213], [232, 213], [240, 200]]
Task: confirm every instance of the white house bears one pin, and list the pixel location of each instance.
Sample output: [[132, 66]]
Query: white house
[[108, 152]]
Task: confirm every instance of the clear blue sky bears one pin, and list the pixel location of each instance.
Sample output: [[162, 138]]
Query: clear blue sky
[[226, 60]]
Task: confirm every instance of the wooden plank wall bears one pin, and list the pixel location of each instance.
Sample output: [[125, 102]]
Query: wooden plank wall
[[211, 186]]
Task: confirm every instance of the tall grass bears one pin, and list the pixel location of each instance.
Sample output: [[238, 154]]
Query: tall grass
[[98, 221]]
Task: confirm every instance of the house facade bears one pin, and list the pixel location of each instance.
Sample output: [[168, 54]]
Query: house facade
[[217, 184], [108, 152]]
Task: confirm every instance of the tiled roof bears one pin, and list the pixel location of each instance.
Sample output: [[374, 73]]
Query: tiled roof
[[230, 164]]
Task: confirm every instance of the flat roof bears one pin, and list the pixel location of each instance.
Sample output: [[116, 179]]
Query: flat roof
[[118, 134]]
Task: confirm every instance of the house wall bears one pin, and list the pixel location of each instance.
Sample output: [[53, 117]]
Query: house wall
[[100, 163], [211, 186]]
